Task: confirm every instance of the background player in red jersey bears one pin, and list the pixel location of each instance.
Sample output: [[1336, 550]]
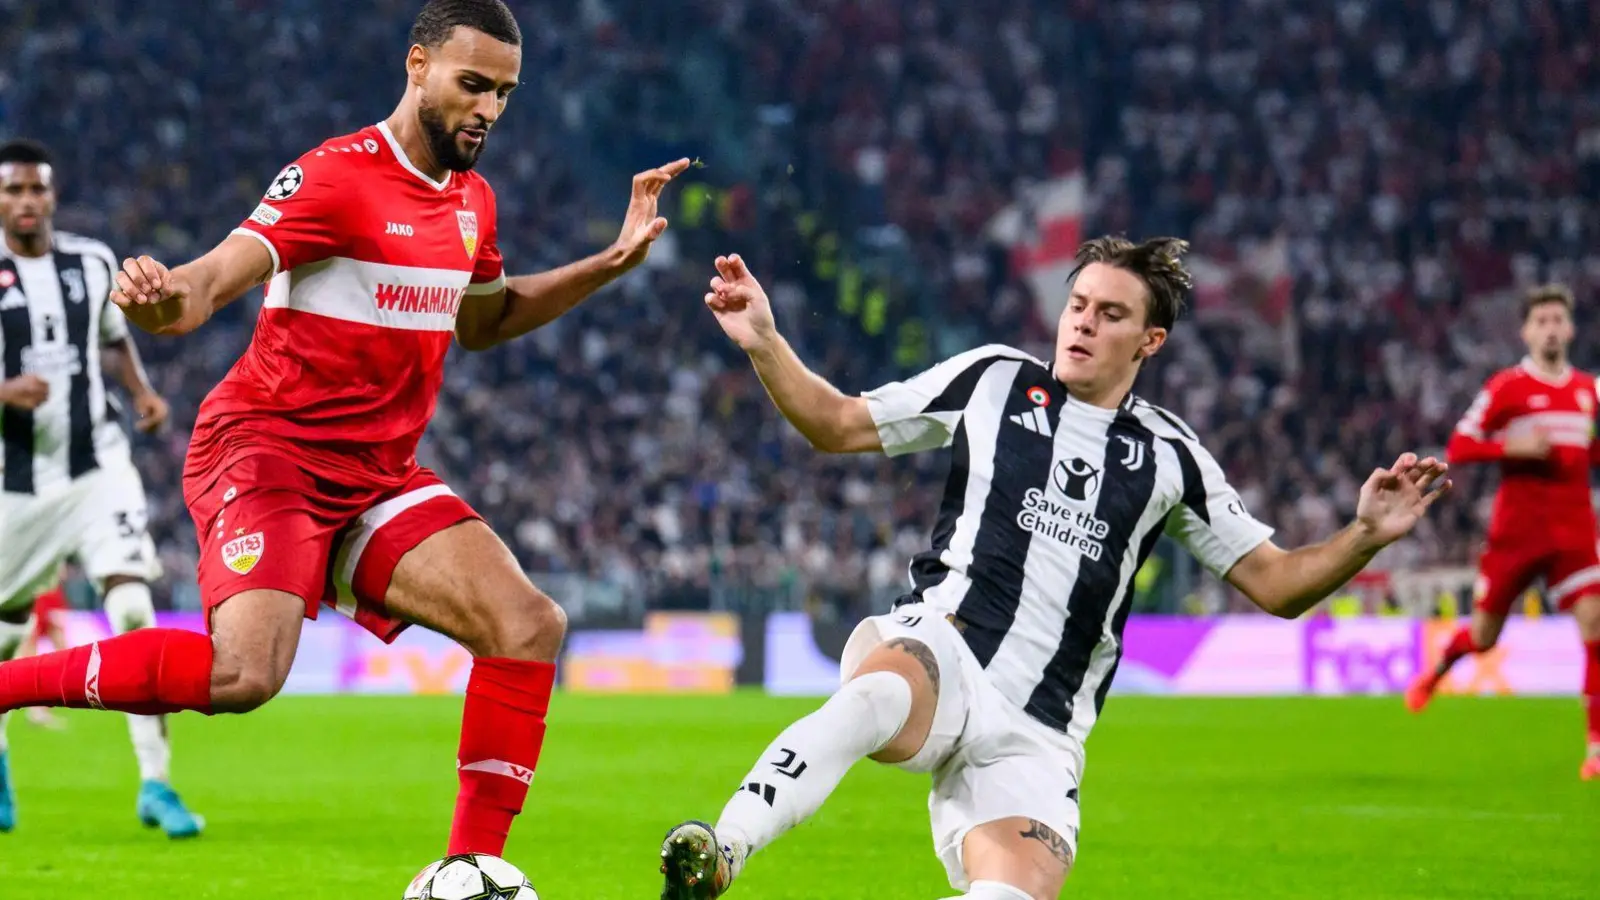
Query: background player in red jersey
[[49, 609], [380, 247], [1537, 421]]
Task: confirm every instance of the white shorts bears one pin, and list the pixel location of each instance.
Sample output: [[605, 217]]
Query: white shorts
[[99, 520], [989, 759]]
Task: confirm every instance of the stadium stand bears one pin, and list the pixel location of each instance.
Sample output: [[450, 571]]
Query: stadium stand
[[1358, 268]]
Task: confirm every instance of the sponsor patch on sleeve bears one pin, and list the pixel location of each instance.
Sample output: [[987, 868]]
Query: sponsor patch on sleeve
[[265, 215]]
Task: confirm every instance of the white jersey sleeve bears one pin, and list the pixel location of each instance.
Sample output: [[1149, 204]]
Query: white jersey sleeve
[[1211, 521], [922, 412], [113, 324]]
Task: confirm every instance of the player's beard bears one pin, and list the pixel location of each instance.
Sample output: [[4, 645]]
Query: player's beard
[[442, 141]]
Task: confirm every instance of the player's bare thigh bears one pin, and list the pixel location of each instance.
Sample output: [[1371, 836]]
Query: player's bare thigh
[[465, 583], [915, 662], [254, 635], [1024, 853]]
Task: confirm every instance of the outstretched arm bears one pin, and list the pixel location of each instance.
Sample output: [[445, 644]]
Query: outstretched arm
[[177, 301], [1288, 583], [529, 302], [830, 420]]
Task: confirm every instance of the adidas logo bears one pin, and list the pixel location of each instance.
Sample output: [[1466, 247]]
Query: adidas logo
[[1034, 420]]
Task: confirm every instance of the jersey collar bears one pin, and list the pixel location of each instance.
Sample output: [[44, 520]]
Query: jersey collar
[[404, 160], [1532, 368]]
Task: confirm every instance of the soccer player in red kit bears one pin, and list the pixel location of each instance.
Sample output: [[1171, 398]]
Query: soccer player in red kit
[[1537, 420], [376, 248]]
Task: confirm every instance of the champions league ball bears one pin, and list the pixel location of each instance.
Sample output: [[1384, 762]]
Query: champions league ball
[[471, 876]]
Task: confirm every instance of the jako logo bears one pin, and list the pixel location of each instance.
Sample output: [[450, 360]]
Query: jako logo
[[412, 299], [400, 228]]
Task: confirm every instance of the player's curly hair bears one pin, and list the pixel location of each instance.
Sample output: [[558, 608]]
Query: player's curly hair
[[1540, 294], [439, 18], [1158, 262], [23, 150]]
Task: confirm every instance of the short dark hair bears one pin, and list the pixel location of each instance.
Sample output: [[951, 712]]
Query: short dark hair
[[439, 18], [1157, 262], [23, 150], [1540, 294]]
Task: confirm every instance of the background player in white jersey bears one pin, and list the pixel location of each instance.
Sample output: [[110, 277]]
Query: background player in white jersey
[[70, 489], [991, 672]]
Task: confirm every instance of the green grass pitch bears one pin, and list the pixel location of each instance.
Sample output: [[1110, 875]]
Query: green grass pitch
[[1298, 798]]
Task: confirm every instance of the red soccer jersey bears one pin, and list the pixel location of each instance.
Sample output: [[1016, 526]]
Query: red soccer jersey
[[1546, 500], [372, 260]]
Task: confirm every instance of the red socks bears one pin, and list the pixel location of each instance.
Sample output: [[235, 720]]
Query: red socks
[[145, 672], [1591, 690], [1460, 645], [502, 730]]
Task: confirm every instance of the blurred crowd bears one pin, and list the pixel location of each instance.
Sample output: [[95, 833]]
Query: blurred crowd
[[1421, 160]]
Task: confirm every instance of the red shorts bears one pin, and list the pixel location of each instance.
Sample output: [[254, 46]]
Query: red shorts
[[266, 523], [1505, 571], [46, 607]]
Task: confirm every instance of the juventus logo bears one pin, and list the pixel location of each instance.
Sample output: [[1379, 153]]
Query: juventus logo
[[910, 621], [76, 292], [791, 764], [1135, 457]]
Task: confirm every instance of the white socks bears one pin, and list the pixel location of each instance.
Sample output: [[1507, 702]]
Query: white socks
[[806, 762], [129, 606], [11, 638], [150, 747]]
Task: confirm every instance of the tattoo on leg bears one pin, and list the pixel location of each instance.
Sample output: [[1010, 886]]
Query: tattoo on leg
[[1047, 836], [922, 654]]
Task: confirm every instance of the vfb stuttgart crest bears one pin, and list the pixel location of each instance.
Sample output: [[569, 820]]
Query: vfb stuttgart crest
[[468, 220], [241, 554]]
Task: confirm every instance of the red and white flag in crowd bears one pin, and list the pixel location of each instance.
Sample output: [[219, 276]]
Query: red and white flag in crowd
[[1043, 229]]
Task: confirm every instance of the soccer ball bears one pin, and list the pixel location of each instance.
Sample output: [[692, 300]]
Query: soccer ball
[[471, 876]]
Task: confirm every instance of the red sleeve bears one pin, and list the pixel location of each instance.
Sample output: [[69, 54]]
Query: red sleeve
[[299, 217], [1471, 441], [1594, 399], [488, 269]]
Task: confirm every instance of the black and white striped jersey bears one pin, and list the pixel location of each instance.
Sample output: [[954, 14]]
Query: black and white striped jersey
[[1051, 507], [55, 316]]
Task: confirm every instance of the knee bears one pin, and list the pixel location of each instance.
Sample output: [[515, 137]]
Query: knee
[[884, 703], [912, 660], [530, 626], [239, 686]]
